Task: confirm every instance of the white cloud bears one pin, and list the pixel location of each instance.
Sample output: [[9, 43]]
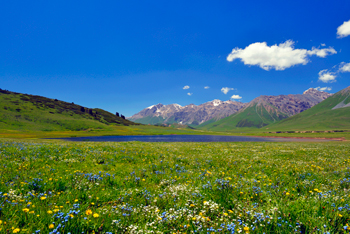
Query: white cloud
[[323, 88], [278, 57], [344, 67], [225, 90], [343, 30], [236, 97], [189, 94], [327, 76], [206, 87], [323, 44], [321, 52], [186, 87]]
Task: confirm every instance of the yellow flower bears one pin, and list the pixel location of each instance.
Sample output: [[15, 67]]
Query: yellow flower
[[0, 221], [71, 215], [340, 215], [42, 198], [31, 212], [95, 215], [230, 211], [88, 212], [16, 230], [225, 214], [287, 193], [51, 226], [49, 212], [192, 205], [92, 203], [56, 210], [246, 229], [25, 210], [76, 200]]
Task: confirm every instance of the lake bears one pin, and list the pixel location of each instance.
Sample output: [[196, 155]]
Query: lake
[[187, 138]]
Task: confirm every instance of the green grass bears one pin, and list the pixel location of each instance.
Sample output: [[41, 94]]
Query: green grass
[[135, 187]]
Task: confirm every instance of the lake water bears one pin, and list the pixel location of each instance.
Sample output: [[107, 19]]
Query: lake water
[[186, 138]]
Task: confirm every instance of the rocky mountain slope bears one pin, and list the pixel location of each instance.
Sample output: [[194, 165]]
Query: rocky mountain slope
[[189, 115], [265, 110], [330, 114]]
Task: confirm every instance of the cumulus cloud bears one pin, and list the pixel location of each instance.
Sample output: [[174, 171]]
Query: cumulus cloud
[[236, 97], [343, 30], [323, 88], [344, 67], [330, 75], [278, 57], [206, 87], [189, 94], [323, 44], [225, 90], [186, 87], [327, 76]]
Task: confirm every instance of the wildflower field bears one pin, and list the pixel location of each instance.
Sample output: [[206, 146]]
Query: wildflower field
[[135, 187]]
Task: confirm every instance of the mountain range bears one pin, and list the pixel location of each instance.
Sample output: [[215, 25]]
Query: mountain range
[[260, 112]]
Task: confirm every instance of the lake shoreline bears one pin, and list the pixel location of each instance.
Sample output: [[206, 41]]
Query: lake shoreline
[[316, 138]]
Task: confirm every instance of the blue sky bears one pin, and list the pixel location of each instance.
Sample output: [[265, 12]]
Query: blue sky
[[126, 55]]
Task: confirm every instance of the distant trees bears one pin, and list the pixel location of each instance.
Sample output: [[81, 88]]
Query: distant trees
[[82, 109], [122, 116]]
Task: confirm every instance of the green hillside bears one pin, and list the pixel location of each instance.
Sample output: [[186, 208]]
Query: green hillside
[[156, 120], [257, 115], [150, 120], [29, 112], [322, 116]]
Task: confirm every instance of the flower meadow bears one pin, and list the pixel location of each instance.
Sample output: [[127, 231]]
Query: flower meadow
[[135, 187]]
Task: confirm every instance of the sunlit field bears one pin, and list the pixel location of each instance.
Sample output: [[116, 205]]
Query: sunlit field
[[134, 187]]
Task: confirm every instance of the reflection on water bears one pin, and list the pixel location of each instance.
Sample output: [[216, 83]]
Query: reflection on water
[[184, 138]]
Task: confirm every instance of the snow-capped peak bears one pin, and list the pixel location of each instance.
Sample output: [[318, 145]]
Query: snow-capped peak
[[310, 90], [150, 107], [216, 102]]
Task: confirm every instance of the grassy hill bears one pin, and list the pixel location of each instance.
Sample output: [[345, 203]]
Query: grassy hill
[[256, 115], [330, 114], [35, 113]]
